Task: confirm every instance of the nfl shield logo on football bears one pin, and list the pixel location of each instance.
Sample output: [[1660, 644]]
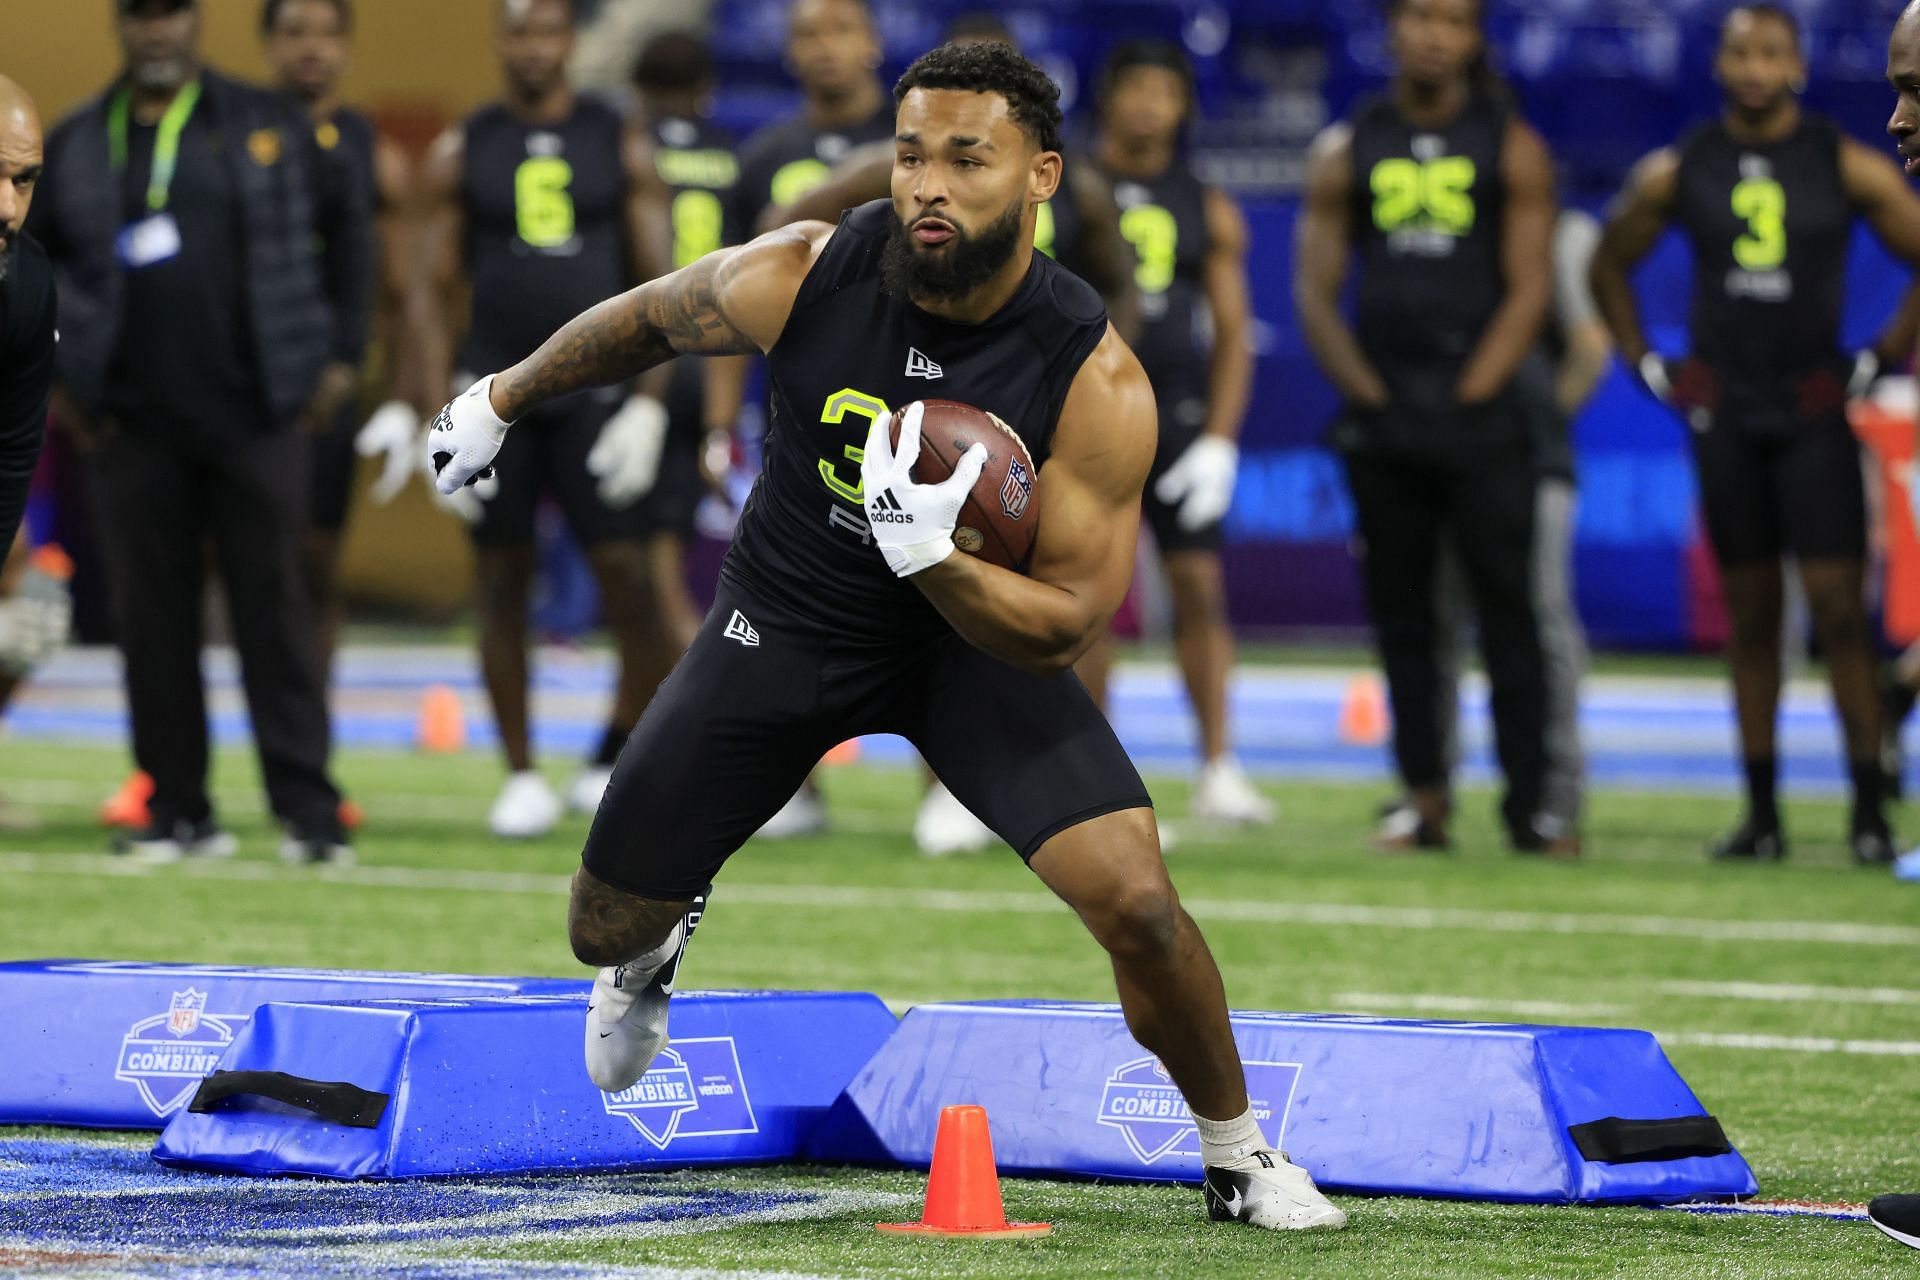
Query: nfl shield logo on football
[[1017, 490]]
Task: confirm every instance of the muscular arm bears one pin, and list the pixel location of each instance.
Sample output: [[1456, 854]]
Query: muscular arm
[[1881, 194], [731, 302], [1105, 258], [439, 231], [1635, 223], [863, 174], [1320, 253], [1089, 495], [1526, 263], [1224, 276]]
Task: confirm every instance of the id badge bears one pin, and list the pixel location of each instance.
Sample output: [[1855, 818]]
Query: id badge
[[149, 242]]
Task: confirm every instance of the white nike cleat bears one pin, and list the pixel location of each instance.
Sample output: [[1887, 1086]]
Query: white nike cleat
[[804, 815], [945, 826], [1223, 794], [1267, 1190], [627, 1012], [525, 808], [587, 787]]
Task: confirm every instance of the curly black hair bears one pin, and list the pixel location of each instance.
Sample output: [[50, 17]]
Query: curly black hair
[[1033, 99]]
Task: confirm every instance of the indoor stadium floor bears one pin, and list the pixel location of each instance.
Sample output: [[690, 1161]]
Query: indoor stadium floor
[[1784, 994]]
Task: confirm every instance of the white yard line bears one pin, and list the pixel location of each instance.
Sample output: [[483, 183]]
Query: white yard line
[[1023, 902], [1374, 1001], [1791, 992], [1789, 1044]]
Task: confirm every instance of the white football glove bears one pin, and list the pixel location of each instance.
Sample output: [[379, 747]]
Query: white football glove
[[912, 523], [626, 457], [32, 629], [464, 439], [392, 432], [1200, 481]]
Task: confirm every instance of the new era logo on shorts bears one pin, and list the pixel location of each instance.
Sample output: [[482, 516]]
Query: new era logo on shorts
[[918, 366], [738, 628]]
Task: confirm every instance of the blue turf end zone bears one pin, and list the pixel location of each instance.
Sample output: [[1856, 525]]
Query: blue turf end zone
[[479, 1086], [113, 1044], [1389, 1106]]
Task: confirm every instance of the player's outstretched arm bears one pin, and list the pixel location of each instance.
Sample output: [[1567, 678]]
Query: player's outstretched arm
[[1089, 494], [1635, 223], [731, 302]]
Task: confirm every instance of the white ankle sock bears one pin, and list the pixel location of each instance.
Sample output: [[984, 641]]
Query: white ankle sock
[[1224, 1141]]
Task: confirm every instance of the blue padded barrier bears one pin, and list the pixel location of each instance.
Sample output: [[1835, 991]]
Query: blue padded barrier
[[122, 1045], [1473, 1110], [497, 1086]]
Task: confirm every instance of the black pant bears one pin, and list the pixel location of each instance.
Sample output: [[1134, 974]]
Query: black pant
[[1484, 503], [164, 488]]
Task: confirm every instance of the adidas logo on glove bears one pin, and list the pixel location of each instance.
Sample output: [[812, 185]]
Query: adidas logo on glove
[[885, 509]]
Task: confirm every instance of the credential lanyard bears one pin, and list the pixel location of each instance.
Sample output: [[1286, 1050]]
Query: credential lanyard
[[166, 140]]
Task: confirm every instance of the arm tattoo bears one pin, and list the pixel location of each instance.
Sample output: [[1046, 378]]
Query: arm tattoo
[[625, 336]]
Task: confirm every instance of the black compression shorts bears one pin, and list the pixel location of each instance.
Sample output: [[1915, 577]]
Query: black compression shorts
[[546, 453], [757, 700], [1766, 494]]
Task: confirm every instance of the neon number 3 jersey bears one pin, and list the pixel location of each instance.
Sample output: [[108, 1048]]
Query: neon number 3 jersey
[[852, 352], [1769, 227]]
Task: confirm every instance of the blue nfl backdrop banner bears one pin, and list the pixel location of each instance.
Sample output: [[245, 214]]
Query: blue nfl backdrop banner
[[1476, 1110], [122, 1044], [418, 1088]]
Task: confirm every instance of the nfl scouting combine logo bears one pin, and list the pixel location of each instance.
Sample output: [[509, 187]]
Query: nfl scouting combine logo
[[1144, 1104], [167, 1055], [694, 1090]]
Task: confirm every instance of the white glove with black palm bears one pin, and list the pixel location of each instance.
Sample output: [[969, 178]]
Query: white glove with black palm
[[912, 523], [626, 456], [465, 438], [1200, 481]]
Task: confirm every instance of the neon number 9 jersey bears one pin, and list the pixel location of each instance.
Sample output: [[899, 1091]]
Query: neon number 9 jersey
[[850, 355], [695, 160]]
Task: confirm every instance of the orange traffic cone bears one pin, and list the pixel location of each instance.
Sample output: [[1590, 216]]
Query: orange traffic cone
[[963, 1191], [1363, 713], [846, 753], [443, 725], [127, 806]]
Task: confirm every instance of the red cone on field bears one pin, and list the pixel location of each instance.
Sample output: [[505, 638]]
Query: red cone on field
[[963, 1190], [127, 806], [443, 724], [1363, 713]]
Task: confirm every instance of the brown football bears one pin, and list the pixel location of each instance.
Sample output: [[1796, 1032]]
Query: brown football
[[1000, 519]]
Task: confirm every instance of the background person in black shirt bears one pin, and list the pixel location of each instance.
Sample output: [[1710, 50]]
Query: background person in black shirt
[[203, 333], [1768, 196], [307, 43], [1446, 198]]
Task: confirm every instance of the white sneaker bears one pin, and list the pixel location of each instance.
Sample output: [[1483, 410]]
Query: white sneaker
[[584, 793], [156, 845], [1267, 1190], [1223, 794], [945, 826], [526, 807], [627, 1012], [804, 815]]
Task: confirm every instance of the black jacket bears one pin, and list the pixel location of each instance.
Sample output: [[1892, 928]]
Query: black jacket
[[26, 376], [307, 251]]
